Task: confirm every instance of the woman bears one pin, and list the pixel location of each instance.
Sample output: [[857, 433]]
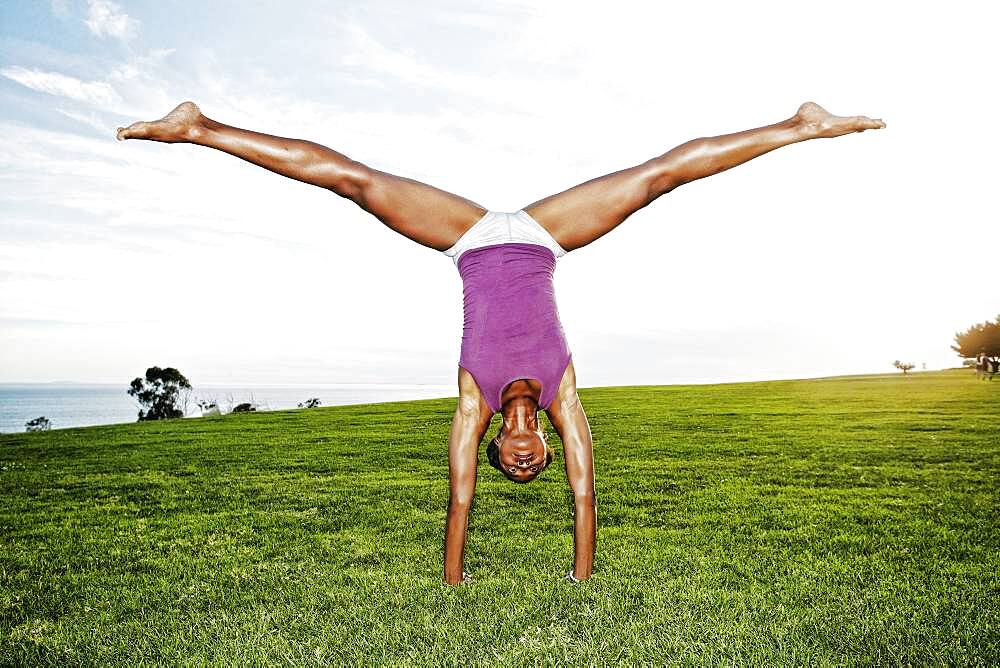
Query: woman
[[514, 357]]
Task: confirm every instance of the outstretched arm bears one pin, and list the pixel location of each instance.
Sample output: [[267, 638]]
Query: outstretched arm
[[590, 210], [569, 419], [427, 215], [472, 419]]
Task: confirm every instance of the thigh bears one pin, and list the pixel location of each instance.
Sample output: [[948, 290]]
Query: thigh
[[588, 211], [428, 215]]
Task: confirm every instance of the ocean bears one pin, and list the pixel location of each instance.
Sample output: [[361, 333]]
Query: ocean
[[81, 405]]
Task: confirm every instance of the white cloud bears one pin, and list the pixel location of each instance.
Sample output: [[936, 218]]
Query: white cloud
[[98, 93], [140, 65], [106, 19], [366, 53], [138, 88], [60, 8], [90, 119]]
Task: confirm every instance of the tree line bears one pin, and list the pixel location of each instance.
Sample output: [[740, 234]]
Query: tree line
[[981, 342], [163, 393]]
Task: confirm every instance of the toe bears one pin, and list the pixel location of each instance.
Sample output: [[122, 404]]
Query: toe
[[128, 132], [138, 130], [865, 123]]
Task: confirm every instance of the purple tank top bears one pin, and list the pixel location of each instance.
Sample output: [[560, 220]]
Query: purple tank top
[[511, 327]]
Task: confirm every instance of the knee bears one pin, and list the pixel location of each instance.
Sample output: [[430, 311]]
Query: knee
[[660, 177], [356, 181], [357, 176], [351, 180]]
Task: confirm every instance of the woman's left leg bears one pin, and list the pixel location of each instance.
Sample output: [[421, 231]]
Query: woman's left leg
[[590, 210]]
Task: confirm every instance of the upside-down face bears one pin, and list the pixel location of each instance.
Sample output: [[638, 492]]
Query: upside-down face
[[520, 456]]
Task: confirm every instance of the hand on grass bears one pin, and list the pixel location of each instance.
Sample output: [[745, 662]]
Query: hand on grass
[[466, 579]]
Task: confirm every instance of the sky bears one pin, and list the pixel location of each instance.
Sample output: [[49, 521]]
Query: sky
[[827, 257]]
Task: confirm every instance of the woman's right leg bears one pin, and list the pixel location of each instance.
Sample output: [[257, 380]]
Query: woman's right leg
[[420, 212]]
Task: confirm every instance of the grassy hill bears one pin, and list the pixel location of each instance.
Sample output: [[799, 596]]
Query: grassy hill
[[842, 520]]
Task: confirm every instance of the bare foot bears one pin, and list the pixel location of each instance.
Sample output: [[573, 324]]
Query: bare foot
[[819, 122], [177, 126]]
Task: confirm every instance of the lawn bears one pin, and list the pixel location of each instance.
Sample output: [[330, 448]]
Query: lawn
[[838, 521]]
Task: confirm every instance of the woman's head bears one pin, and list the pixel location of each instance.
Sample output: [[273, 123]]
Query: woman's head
[[519, 455]]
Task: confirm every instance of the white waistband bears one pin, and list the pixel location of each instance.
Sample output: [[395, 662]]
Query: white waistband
[[501, 228]]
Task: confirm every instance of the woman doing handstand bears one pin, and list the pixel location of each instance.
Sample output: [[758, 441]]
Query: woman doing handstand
[[514, 357]]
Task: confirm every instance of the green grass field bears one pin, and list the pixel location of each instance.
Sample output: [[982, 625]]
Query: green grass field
[[837, 521]]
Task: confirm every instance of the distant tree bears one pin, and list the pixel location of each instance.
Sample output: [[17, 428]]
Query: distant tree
[[208, 407], [244, 408], [905, 367], [983, 338], [161, 394], [310, 403], [38, 424], [231, 400]]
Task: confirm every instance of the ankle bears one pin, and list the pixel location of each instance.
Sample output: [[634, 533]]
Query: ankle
[[802, 128], [198, 131]]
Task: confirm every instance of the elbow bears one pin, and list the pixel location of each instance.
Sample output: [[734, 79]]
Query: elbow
[[461, 503], [585, 497]]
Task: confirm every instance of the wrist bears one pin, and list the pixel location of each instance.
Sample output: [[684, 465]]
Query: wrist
[[465, 578]]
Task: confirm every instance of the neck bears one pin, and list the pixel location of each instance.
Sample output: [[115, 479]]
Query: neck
[[520, 414]]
